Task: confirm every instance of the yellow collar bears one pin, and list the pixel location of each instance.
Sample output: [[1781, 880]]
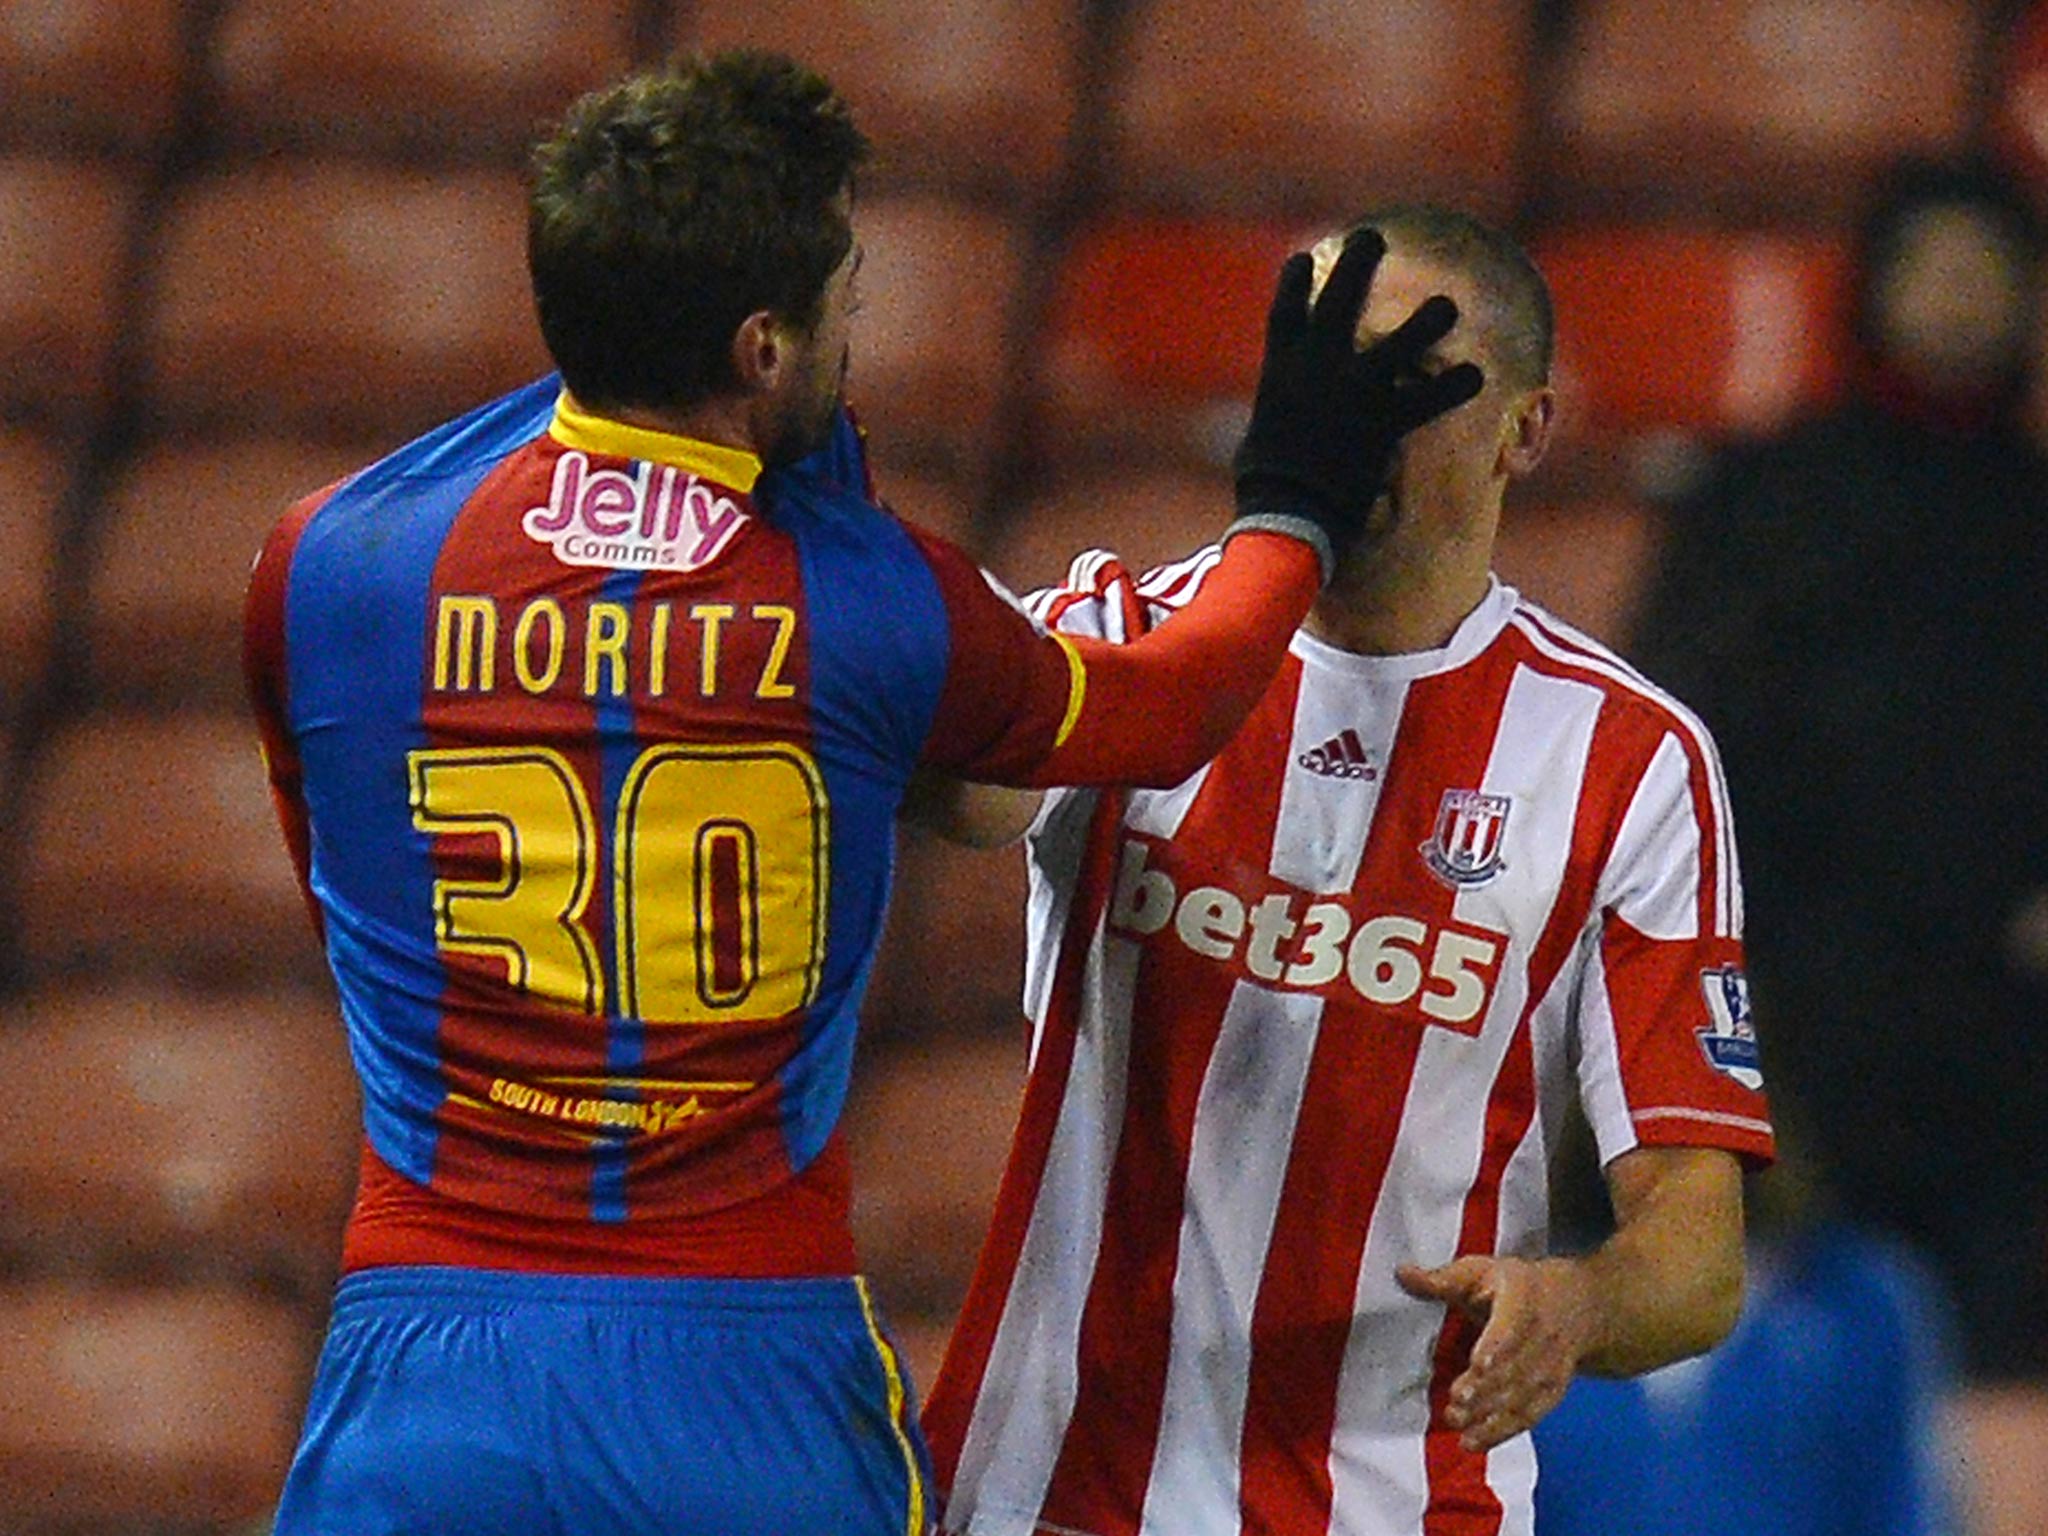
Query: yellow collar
[[574, 427]]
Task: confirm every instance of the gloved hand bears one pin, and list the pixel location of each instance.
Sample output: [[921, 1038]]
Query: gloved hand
[[1328, 416]]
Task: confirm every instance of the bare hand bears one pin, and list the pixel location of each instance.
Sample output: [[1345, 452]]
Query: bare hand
[[1537, 1321]]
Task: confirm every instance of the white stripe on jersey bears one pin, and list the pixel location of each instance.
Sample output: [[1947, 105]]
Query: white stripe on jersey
[[1661, 816], [1541, 747], [1244, 1133], [1026, 1397], [1320, 835], [1560, 641], [1704, 1117]]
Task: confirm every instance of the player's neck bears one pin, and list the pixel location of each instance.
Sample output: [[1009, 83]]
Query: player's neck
[[727, 422], [1395, 607]]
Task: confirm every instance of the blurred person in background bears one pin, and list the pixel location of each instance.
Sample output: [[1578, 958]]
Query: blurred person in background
[[588, 716], [1821, 1414], [1269, 1254], [1859, 609]]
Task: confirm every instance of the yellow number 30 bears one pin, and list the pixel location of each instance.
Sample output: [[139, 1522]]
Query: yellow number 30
[[718, 876]]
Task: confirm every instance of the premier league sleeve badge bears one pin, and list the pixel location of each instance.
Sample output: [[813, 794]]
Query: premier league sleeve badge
[[1729, 1042]]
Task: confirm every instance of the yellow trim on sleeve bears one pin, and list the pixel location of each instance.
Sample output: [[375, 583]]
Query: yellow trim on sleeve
[[914, 1526], [1077, 688], [575, 427]]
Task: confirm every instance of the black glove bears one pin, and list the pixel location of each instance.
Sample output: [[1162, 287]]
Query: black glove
[[1328, 416]]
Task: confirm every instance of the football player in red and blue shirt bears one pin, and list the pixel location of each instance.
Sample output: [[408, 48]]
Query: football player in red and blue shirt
[[588, 716]]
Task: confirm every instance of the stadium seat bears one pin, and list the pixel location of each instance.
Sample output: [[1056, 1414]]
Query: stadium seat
[[63, 240], [930, 502], [1305, 106], [151, 846], [340, 300], [195, 1133], [930, 1131], [175, 542], [145, 1409], [1586, 561], [1145, 519], [2019, 127], [31, 479], [1753, 108], [1155, 332], [1695, 329], [87, 76], [427, 77], [937, 281], [969, 94]]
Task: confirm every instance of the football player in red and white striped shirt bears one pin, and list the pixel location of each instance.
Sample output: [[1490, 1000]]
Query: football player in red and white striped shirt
[[1270, 1252]]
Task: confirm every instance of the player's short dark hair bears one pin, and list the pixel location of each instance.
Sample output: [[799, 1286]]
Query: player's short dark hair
[[1521, 325], [670, 206]]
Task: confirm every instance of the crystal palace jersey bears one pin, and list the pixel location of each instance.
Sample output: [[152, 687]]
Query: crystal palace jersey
[[1313, 1013], [589, 741]]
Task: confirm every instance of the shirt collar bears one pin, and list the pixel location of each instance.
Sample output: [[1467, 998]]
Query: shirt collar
[[576, 427]]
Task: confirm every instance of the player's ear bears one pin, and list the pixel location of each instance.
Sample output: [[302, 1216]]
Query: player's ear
[[760, 352], [1525, 435]]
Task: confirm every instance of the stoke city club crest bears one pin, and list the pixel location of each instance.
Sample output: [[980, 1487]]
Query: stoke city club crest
[[1466, 846]]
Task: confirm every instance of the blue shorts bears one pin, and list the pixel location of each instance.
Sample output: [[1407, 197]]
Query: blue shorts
[[459, 1401]]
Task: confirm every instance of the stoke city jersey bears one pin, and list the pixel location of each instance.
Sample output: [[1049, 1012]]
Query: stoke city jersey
[[589, 740], [1310, 1014]]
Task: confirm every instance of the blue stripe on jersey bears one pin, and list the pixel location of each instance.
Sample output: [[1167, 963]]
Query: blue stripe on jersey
[[878, 634], [357, 648], [625, 1038]]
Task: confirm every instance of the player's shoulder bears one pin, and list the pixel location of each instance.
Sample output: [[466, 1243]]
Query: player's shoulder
[[1553, 646]]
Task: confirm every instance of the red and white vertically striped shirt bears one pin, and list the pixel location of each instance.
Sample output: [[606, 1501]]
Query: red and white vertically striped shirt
[[1311, 1014]]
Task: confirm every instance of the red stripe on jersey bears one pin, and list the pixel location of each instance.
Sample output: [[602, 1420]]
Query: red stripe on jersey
[[1098, 1483], [1351, 1112], [796, 1228], [951, 1401], [1461, 1502]]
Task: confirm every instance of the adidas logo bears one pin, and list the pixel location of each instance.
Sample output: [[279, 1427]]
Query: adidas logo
[[1343, 756]]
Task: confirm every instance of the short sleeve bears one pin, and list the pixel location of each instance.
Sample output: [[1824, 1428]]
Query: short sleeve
[[1668, 1054]]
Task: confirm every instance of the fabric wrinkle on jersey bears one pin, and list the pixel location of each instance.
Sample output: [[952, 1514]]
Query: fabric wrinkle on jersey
[[1294, 1027]]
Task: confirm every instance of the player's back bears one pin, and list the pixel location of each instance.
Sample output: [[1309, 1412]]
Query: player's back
[[600, 763]]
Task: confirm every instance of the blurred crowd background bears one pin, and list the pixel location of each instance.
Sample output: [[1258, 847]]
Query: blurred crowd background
[[247, 245]]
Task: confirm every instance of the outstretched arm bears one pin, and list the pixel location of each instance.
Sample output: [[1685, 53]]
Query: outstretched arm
[[1668, 1284]]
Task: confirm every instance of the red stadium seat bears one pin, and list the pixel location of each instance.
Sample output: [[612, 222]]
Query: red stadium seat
[[1587, 562], [413, 75], [63, 235], [928, 344], [89, 75], [1302, 105], [2020, 115], [222, 1136], [963, 93], [1772, 108], [158, 1409], [1156, 328], [151, 845], [1144, 519], [31, 479], [341, 299], [176, 540], [930, 1131], [1701, 330]]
